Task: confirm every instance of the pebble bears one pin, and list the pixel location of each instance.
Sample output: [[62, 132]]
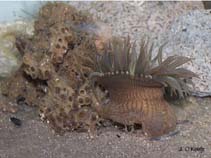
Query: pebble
[[17, 122]]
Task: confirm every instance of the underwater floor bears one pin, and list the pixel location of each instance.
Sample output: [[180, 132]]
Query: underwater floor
[[34, 138]]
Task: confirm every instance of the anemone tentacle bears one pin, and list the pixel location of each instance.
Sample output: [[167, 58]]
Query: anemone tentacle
[[121, 57]]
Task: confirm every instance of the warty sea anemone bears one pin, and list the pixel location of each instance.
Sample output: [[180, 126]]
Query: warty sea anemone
[[136, 85]]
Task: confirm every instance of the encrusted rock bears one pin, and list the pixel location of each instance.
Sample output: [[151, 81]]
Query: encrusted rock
[[56, 62]]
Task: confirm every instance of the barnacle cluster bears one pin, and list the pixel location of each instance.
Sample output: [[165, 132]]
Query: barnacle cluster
[[76, 77], [56, 62]]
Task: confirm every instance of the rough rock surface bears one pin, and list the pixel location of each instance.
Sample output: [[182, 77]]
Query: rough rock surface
[[190, 35], [8, 53], [137, 17]]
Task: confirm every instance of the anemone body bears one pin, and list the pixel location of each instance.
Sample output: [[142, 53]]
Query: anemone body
[[137, 101]]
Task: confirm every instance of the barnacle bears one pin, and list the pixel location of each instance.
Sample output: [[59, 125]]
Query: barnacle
[[135, 85], [56, 62], [20, 86]]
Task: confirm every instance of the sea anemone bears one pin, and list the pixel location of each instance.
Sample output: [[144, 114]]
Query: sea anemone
[[136, 84]]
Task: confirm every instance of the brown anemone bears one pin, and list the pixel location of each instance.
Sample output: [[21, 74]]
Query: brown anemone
[[136, 84]]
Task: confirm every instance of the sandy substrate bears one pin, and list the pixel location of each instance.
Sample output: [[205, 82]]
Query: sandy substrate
[[35, 140]]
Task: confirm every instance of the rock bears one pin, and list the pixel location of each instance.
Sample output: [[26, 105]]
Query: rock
[[190, 35], [8, 52], [139, 17]]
